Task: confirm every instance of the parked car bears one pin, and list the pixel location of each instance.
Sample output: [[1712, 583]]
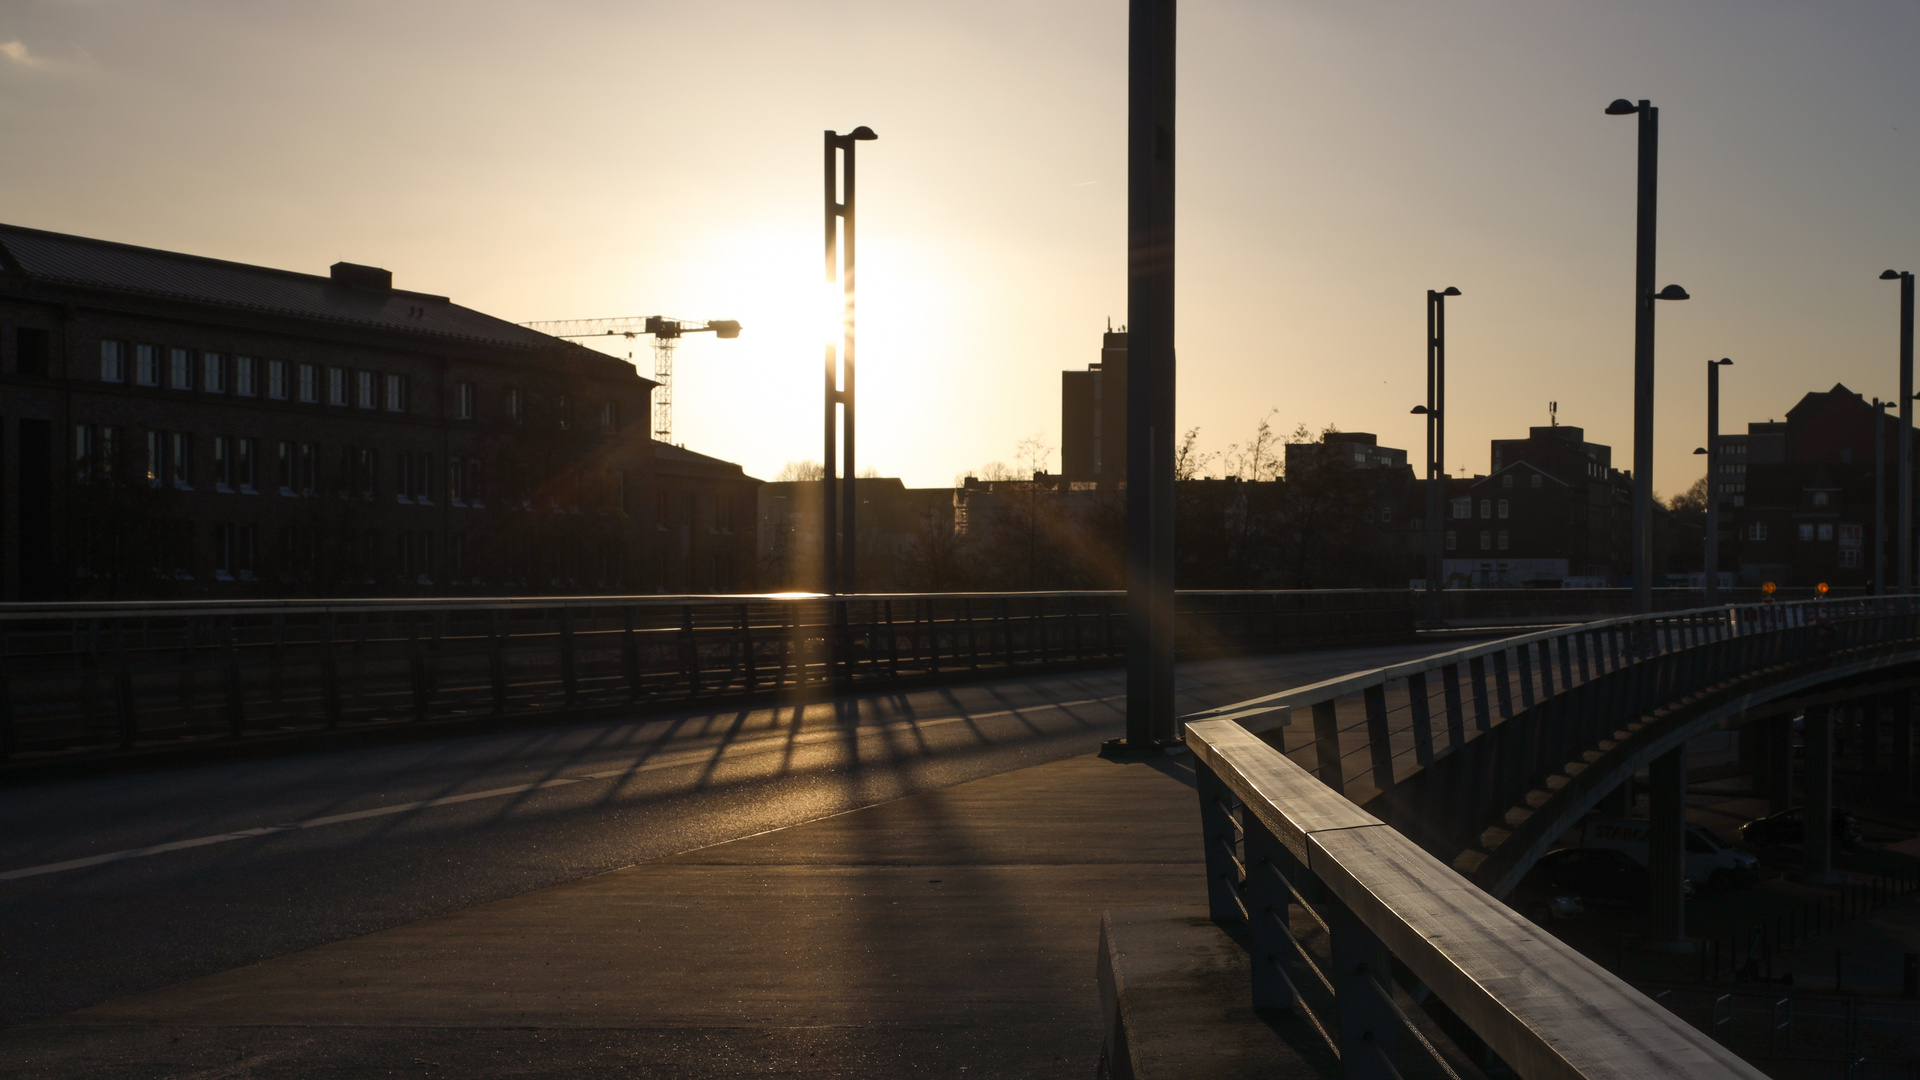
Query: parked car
[[1571, 882], [1709, 861], [1790, 827]]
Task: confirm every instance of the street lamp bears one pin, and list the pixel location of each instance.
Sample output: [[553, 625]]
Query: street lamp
[[1436, 440], [838, 574], [1880, 496], [1905, 547], [1712, 450], [1643, 298]]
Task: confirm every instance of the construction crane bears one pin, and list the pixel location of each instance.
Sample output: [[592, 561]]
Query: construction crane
[[666, 335]]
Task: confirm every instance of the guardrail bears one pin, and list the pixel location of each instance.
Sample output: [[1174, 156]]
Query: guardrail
[[1277, 834], [82, 678]]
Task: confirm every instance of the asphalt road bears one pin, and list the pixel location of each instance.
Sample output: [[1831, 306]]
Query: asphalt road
[[125, 883]]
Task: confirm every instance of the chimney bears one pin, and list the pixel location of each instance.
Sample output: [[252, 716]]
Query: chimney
[[355, 276]]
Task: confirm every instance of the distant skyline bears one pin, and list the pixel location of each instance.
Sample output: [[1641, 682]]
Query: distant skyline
[[1336, 160]]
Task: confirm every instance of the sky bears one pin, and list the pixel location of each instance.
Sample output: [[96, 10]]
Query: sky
[[587, 158]]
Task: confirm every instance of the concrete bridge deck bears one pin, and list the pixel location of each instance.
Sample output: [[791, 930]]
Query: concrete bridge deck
[[947, 933]]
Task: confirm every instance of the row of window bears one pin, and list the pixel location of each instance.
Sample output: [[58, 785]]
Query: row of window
[[1490, 540], [166, 458], [247, 376], [1463, 507], [1849, 536], [1507, 480]]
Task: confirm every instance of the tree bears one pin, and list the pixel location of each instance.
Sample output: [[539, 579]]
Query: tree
[[1691, 501], [800, 470], [1188, 462]]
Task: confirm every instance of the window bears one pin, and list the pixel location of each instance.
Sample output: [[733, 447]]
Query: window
[[182, 460], [146, 365], [1503, 508], [366, 463], [565, 412], [223, 551], [83, 451], [456, 486], [366, 387], [1366, 515], [1756, 531], [283, 455], [244, 452], [1463, 508], [1486, 511], [1506, 481], [1500, 540], [213, 373], [244, 370], [156, 456], [245, 550], [277, 379], [1452, 541], [463, 401], [1850, 535], [30, 351], [397, 394], [1486, 540], [1536, 479], [306, 465], [474, 491], [1850, 558], [609, 416], [309, 384], [1386, 513], [516, 405], [222, 463], [336, 386], [180, 369], [423, 479], [1806, 531], [1820, 498], [403, 463], [113, 362], [1826, 530], [1846, 455]]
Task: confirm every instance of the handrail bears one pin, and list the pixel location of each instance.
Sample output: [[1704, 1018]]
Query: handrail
[[1545, 1009]]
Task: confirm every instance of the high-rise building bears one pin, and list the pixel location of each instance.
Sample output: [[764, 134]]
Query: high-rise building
[[1093, 417]]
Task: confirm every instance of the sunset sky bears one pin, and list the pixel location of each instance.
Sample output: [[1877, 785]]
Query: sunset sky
[[572, 158]]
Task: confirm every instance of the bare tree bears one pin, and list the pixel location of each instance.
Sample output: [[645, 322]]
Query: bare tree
[[800, 470], [1188, 462]]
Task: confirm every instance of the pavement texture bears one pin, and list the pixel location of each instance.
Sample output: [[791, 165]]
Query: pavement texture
[[951, 932]]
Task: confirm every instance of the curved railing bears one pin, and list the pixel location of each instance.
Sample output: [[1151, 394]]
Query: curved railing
[[1282, 827]]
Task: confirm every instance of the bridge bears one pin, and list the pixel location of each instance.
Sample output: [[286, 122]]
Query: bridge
[[833, 877]]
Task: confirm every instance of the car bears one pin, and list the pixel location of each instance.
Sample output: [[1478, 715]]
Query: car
[[1570, 882], [1790, 827], [1720, 867]]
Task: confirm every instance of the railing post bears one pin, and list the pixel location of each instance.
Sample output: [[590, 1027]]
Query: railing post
[[973, 638], [1379, 741], [746, 646], [1477, 674], [1524, 656], [417, 666], [630, 653], [569, 684], [1220, 837], [497, 663], [1326, 745], [1422, 720], [1269, 914], [1456, 715], [329, 673], [1363, 994], [236, 699], [1503, 684]]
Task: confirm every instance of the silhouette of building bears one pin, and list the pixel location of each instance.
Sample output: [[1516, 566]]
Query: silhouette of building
[[905, 536], [184, 426], [1093, 417], [1796, 495]]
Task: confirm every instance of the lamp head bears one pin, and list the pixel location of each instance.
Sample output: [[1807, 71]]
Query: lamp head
[[1450, 291], [1672, 292], [1699, 449], [1723, 361], [1422, 410], [1622, 107], [863, 133], [1889, 275]]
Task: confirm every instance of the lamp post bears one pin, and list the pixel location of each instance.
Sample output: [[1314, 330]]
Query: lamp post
[[1434, 410], [1880, 496], [1905, 449], [1712, 450], [1643, 298], [837, 572]]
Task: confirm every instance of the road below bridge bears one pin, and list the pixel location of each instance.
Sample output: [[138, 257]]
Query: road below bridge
[[118, 884]]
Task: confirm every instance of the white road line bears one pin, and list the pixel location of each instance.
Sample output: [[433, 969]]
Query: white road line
[[756, 748]]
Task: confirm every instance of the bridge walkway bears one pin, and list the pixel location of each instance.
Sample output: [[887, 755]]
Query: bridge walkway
[[948, 932]]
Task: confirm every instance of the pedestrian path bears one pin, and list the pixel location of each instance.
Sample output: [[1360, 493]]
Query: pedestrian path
[[949, 933]]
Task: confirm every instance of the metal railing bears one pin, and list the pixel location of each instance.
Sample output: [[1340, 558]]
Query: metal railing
[[1279, 834], [86, 678]]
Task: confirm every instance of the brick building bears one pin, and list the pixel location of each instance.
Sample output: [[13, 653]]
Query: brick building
[[1796, 496], [177, 426], [1093, 417]]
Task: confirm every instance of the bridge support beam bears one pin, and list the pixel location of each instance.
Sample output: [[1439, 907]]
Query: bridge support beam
[[1819, 784], [1667, 848], [1900, 704], [1775, 780]]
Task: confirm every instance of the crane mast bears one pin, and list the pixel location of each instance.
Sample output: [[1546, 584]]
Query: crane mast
[[666, 334]]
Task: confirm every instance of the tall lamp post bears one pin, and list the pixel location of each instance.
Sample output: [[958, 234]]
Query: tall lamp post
[[1712, 450], [837, 569], [1643, 298], [1880, 496], [1434, 410], [1905, 450]]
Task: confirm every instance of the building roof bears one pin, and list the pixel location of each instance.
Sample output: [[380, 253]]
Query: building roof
[[60, 259], [680, 455]]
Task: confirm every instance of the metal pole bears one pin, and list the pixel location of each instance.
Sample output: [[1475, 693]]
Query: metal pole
[[1150, 382], [1906, 431], [1435, 499], [1879, 498], [829, 518], [850, 503], [1713, 496], [1643, 360]]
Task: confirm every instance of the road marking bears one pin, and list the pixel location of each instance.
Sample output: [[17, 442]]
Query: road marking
[[755, 748]]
